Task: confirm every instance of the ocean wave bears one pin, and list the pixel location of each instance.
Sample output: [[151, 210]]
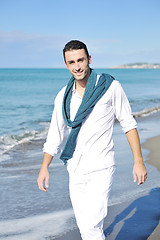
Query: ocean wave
[[146, 112], [9, 142], [37, 227]]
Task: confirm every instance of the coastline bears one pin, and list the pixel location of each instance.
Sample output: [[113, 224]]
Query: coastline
[[31, 214], [152, 158], [137, 219]]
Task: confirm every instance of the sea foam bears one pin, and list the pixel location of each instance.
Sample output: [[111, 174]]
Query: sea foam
[[146, 112], [37, 227]]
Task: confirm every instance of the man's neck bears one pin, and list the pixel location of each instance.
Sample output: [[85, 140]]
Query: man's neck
[[80, 89]]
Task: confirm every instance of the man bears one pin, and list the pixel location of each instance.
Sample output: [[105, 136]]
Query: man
[[87, 107]]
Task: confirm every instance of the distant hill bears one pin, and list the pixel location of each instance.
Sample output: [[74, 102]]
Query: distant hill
[[138, 65]]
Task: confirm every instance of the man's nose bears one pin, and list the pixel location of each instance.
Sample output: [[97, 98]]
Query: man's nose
[[77, 66]]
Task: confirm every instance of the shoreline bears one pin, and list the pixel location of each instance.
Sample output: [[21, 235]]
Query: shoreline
[[151, 144], [133, 219], [154, 151]]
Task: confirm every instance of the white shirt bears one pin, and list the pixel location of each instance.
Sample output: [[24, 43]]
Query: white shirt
[[94, 148]]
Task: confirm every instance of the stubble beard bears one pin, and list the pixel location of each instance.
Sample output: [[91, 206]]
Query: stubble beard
[[84, 77]]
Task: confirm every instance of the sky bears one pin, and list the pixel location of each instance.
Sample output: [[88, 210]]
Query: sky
[[34, 32]]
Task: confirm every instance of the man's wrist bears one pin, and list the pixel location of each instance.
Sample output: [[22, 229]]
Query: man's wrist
[[138, 161], [44, 166]]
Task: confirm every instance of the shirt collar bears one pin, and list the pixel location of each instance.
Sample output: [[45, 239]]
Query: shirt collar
[[74, 87]]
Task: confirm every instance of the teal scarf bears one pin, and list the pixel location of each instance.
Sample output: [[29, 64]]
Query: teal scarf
[[91, 96]]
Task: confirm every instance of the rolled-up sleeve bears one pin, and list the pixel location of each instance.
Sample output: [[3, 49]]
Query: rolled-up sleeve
[[122, 109], [57, 127]]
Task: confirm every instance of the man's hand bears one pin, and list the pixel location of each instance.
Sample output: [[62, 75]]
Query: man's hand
[[139, 171], [43, 177], [44, 174]]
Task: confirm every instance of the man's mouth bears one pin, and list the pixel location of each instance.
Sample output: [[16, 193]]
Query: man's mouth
[[79, 73]]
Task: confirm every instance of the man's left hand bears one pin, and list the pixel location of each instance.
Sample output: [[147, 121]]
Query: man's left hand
[[139, 171]]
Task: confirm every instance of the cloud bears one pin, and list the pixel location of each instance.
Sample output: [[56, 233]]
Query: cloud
[[47, 41], [98, 46], [15, 36], [21, 49], [18, 49], [111, 58]]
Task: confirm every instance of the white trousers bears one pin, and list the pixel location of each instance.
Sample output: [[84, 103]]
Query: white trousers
[[89, 195]]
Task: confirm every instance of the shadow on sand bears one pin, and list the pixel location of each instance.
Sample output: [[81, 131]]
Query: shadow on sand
[[139, 219]]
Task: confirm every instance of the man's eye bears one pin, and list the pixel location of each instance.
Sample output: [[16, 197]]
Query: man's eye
[[80, 60]]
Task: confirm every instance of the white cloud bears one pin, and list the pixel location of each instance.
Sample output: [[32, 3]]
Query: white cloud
[[15, 36], [98, 46], [20, 49], [47, 41]]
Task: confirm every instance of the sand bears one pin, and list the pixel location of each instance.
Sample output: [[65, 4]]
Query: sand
[[153, 158], [153, 144], [133, 220]]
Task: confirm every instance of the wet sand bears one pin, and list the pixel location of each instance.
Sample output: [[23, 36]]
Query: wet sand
[[134, 220], [153, 145], [153, 158]]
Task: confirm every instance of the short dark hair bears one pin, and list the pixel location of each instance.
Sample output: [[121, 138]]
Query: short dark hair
[[75, 45]]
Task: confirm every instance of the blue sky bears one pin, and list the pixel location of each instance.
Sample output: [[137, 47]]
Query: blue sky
[[34, 32]]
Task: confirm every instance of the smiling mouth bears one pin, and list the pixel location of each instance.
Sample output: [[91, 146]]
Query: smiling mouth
[[78, 73]]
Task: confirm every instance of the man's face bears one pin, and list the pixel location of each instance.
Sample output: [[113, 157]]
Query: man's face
[[78, 64]]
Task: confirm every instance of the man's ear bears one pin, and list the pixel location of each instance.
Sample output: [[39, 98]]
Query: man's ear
[[89, 60], [66, 64]]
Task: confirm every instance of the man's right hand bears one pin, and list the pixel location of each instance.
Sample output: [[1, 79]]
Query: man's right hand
[[43, 177]]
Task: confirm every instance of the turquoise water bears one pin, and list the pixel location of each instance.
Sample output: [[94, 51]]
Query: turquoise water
[[27, 95], [26, 104]]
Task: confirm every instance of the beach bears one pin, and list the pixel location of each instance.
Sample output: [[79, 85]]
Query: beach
[[27, 101], [154, 159], [133, 215], [137, 219]]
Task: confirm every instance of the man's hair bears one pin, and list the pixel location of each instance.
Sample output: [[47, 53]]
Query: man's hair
[[75, 45]]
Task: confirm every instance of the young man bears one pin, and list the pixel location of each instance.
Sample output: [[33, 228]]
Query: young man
[[88, 107]]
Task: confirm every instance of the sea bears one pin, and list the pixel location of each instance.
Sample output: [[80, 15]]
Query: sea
[[26, 105]]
